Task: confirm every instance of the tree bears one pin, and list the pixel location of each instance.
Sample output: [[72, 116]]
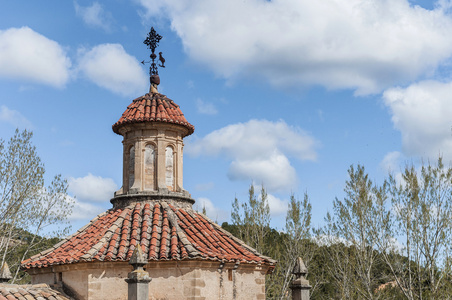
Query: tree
[[253, 219], [251, 223], [354, 224], [399, 233], [25, 202], [297, 244], [422, 209]]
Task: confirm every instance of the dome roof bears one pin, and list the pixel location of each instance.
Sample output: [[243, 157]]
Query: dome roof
[[165, 233], [153, 107]]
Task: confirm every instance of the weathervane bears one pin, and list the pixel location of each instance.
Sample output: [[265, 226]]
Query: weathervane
[[152, 41]]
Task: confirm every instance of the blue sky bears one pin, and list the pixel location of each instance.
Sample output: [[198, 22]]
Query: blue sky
[[285, 93]]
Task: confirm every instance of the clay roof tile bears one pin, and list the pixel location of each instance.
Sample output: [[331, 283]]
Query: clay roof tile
[[29, 292], [164, 232], [153, 107]]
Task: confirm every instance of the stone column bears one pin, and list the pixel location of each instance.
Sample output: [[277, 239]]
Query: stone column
[[300, 285], [138, 280]]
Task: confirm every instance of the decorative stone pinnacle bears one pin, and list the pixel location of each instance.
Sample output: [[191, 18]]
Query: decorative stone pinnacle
[[300, 285], [299, 268], [138, 280], [5, 274], [137, 258]]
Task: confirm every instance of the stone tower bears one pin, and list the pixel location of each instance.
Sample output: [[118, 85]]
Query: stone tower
[[153, 128]]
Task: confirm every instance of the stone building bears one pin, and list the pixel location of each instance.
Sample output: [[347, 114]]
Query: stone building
[[188, 255]]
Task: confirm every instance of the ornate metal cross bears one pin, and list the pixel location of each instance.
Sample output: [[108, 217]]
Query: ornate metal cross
[[152, 41]]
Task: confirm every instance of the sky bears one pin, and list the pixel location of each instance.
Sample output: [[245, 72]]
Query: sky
[[285, 93]]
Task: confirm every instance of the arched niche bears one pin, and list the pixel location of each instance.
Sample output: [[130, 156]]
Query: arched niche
[[149, 167], [131, 166], [169, 168]]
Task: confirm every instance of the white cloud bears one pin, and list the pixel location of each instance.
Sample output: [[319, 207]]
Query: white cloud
[[206, 108], [83, 211], [274, 171], [14, 118], [30, 56], [212, 212], [92, 188], [111, 67], [364, 45], [392, 161], [259, 150], [94, 15], [277, 206], [422, 113]]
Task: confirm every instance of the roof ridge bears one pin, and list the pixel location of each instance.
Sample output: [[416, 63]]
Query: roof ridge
[[94, 251], [134, 234], [180, 233], [125, 234], [164, 240], [145, 235], [154, 217]]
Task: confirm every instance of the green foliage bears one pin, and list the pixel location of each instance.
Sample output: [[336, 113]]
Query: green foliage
[[355, 222], [296, 244], [28, 245], [27, 206], [388, 241], [253, 220], [251, 223], [418, 215], [422, 202]]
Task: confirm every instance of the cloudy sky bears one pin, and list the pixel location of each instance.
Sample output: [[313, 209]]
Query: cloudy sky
[[284, 93]]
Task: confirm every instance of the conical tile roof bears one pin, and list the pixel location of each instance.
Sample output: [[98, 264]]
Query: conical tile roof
[[153, 107], [164, 231]]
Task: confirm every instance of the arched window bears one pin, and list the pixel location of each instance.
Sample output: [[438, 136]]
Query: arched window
[[169, 168], [131, 166], [149, 167]]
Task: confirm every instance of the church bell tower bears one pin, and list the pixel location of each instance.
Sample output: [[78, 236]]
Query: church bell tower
[[153, 128]]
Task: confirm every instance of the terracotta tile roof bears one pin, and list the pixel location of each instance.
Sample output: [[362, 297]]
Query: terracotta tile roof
[[153, 107], [163, 231], [29, 292]]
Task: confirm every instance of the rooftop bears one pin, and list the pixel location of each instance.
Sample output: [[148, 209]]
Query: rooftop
[[29, 292], [153, 107], [165, 233]]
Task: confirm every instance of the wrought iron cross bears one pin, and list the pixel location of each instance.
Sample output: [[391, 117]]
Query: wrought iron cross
[[152, 41]]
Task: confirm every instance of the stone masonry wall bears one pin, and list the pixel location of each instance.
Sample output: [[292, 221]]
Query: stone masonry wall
[[170, 280]]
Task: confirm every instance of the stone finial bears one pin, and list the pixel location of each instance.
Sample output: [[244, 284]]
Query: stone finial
[[299, 269], [137, 257], [5, 274], [138, 280], [300, 285]]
